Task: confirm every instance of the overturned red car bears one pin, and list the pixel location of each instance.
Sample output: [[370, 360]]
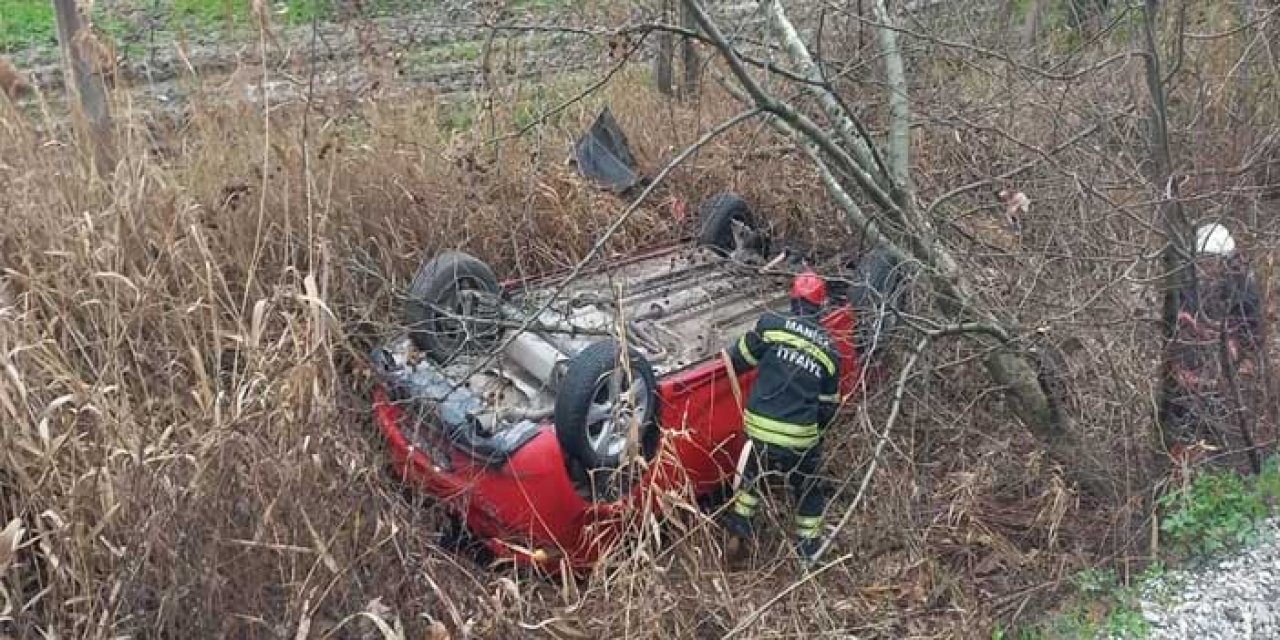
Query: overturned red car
[[516, 406]]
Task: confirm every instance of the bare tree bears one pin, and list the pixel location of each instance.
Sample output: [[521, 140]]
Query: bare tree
[[664, 60], [859, 171], [664, 63], [1175, 256]]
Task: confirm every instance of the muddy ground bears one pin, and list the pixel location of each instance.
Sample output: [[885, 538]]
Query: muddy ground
[[453, 49]]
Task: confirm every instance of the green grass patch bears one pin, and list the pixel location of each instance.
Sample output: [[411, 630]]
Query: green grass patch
[[31, 23], [233, 14], [1103, 607], [1219, 510], [26, 23], [541, 5]]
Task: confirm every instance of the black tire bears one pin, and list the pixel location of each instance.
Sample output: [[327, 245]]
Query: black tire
[[877, 295], [588, 440], [716, 216], [436, 288]]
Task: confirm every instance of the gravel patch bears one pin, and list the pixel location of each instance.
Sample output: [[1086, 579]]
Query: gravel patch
[[1237, 596]]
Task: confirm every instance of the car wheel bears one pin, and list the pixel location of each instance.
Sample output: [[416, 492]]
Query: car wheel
[[877, 295], [606, 409], [446, 311], [716, 218]]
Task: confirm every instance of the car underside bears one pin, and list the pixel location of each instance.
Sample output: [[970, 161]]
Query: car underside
[[677, 307]]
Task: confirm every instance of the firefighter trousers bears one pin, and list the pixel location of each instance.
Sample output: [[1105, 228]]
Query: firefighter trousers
[[801, 468]]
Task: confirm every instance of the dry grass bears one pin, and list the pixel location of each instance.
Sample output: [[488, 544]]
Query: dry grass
[[187, 439], [188, 442]]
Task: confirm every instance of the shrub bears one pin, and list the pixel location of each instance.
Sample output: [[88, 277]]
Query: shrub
[[1219, 510]]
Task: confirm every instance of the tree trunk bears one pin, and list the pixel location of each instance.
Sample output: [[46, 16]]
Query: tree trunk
[[899, 109], [689, 57], [1176, 256], [90, 105], [1031, 26], [848, 154], [663, 72]]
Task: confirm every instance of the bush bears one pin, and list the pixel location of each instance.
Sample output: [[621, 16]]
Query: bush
[[1219, 510]]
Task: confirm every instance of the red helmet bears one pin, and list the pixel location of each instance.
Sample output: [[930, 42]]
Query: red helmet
[[810, 287]]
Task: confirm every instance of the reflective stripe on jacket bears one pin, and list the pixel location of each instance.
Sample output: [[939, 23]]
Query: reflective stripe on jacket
[[797, 389]]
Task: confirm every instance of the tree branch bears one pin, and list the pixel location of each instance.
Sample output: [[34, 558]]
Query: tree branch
[[899, 108], [796, 120], [851, 135], [1009, 364]]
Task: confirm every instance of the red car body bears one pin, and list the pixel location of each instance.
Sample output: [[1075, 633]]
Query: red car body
[[527, 510]]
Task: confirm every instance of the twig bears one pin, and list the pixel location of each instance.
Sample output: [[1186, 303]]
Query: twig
[[306, 144], [1031, 164], [751, 617], [643, 28], [1231, 32], [1237, 396], [898, 392], [511, 324]]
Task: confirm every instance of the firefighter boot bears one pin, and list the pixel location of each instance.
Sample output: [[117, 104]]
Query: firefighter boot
[[807, 548]]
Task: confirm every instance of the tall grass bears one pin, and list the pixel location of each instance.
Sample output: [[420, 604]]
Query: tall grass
[[184, 403], [185, 418]]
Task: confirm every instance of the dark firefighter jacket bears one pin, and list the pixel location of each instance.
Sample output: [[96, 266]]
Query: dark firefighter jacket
[[797, 390]]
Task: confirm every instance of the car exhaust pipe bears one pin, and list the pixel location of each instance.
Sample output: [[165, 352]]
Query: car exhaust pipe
[[540, 358]]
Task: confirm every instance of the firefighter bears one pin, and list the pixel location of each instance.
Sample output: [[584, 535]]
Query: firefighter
[[1220, 315], [794, 398]]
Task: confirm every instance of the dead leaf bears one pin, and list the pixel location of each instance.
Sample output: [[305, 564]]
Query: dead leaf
[[437, 631], [378, 608], [10, 540], [1016, 205]]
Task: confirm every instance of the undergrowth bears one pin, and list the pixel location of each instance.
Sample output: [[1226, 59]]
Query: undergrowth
[[1216, 511], [1219, 510], [1102, 607], [184, 401]]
